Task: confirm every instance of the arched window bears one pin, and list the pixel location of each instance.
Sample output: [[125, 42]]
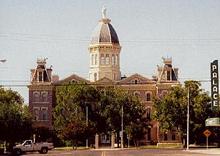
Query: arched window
[[116, 59], [168, 75], [40, 76], [148, 96], [36, 113], [44, 96], [137, 93], [95, 76], [95, 59], [92, 59], [36, 96], [113, 59], [148, 113], [107, 59], [114, 76], [102, 59], [164, 92], [44, 112]]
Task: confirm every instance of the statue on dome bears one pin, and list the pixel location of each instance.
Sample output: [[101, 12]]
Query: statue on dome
[[104, 12]]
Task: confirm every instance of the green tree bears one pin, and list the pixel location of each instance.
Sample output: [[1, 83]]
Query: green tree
[[171, 110], [15, 119], [105, 110], [134, 114], [70, 111]]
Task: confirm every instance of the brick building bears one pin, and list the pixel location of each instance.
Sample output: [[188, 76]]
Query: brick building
[[104, 69]]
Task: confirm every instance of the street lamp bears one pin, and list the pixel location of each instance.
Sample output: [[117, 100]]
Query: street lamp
[[187, 128]]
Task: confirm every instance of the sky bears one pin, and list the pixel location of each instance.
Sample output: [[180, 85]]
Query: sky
[[60, 30]]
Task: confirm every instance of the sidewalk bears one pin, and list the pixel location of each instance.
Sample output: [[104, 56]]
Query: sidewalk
[[206, 151]]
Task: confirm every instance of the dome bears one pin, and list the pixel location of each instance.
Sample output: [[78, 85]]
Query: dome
[[104, 33]]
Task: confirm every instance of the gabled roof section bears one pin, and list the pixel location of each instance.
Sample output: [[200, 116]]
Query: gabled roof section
[[105, 80], [72, 79], [41, 74], [136, 79]]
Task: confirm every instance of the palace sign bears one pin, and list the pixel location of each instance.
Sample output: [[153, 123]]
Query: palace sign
[[214, 85]]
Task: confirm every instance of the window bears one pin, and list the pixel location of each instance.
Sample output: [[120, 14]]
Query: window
[[95, 76], [44, 96], [40, 76], [28, 143], [102, 59], [44, 111], [148, 134], [113, 59], [92, 59], [36, 111], [165, 136], [148, 113], [116, 60], [164, 92], [107, 60], [95, 59], [168, 75], [136, 93], [135, 81], [36, 96], [173, 136], [114, 76], [148, 96]]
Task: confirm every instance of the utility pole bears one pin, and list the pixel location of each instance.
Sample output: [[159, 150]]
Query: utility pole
[[122, 127], [87, 118], [187, 137]]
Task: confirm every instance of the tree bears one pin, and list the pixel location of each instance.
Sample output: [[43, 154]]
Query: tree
[[171, 110], [70, 111], [105, 107], [134, 118], [15, 119]]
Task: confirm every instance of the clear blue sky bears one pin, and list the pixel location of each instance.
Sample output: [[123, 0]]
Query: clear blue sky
[[186, 30]]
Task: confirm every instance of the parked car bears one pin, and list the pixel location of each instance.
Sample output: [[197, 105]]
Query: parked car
[[29, 146]]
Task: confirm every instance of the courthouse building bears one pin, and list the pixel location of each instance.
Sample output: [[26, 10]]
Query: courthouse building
[[104, 69]]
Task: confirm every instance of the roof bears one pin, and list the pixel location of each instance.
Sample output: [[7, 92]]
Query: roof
[[104, 33]]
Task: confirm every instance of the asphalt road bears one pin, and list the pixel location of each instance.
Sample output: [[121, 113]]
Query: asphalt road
[[130, 152]]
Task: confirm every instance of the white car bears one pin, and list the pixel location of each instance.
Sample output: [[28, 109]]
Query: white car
[[29, 146]]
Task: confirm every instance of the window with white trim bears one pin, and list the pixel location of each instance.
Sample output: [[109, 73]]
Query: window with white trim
[[107, 59], [36, 96], [148, 96], [44, 96], [44, 112], [113, 59], [36, 113], [95, 59], [102, 59], [137, 93]]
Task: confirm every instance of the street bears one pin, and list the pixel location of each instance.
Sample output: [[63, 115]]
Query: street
[[130, 152]]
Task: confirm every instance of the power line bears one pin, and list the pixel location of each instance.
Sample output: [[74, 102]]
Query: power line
[[47, 37]]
